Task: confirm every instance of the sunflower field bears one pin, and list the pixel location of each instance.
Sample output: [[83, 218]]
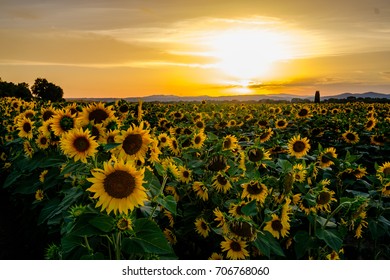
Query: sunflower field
[[122, 180]]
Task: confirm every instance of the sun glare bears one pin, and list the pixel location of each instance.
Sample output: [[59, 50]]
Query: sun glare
[[249, 53]]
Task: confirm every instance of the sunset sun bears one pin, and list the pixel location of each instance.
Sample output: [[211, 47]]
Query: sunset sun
[[246, 54]]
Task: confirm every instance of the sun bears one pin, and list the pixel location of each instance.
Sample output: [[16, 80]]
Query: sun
[[246, 54]]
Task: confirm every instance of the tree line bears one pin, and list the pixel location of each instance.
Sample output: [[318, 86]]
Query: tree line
[[42, 89]]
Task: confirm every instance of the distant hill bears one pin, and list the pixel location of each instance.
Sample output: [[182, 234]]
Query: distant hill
[[238, 98], [359, 95]]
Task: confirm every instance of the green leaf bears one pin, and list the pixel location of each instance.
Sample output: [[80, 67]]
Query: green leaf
[[70, 242], [322, 221], [148, 239], [285, 165], [103, 222], [250, 209], [168, 202], [267, 244], [159, 168], [330, 238], [302, 243], [152, 183], [12, 178], [110, 146]]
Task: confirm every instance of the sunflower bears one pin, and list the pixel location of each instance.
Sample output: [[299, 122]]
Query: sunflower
[[305, 206], [43, 175], [266, 135], [109, 136], [95, 113], [386, 190], [235, 209], [255, 190], [258, 154], [171, 190], [25, 126], [383, 171], [281, 123], [324, 199], [221, 183], [201, 227], [241, 230], [325, 158], [201, 190], [216, 256], [230, 142], [78, 144], [39, 195], [184, 174], [163, 140], [198, 140], [298, 146], [118, 186], [217, 163], [124, 223], [28, 149], [377, 140], [371, 122], [174, 146], [350, 137], [98, 132], [170, 236], [235, 249], [155, 152], [277, 227], [133, 143], [63, 121], [219, 217], [43, 141]]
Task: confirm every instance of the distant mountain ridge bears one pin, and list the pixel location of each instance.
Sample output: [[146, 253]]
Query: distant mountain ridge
[[239, 98]]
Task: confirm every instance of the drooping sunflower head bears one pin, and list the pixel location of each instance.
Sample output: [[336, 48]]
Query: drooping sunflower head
[[325, 158], [298, 146], [118, 187], [230, 142], [201, 190], [221, 182], [78, 144], [256, 154], [266, 135], [240, 229], [377, 140], [217, 163], [235, 209], [386, 190], [371, 122], [254, 190]]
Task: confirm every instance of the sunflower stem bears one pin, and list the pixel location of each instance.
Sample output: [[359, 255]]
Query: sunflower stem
[[90, 251], [349, 203], [165, 179], [117, 245]]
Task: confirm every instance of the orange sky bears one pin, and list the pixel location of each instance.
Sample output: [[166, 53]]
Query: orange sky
[[121, 48]]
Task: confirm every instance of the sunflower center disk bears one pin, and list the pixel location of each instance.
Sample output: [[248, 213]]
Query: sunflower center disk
[[119, 184], [242, 229], [98, 116], [26, 127], [299, 146], [255, 155], [81, 144], [132, 144], [66, 123], [235, 246], [323, 198], [277, 225], [221, 180], [254, 188], [350, 137]]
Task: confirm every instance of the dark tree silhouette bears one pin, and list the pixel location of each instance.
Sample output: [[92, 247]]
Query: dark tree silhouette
[[20, 90], [47, 91], [317, 97]]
